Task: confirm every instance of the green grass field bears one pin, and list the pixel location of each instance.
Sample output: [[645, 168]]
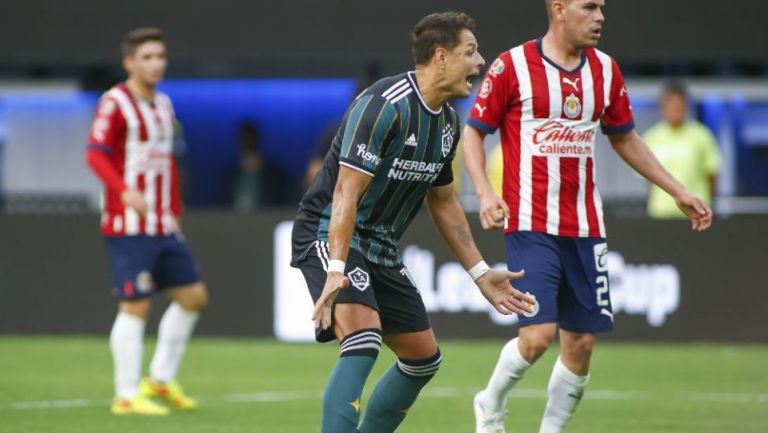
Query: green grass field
[[52, 385]]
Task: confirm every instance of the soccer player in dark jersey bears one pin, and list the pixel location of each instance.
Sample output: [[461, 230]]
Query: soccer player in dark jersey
[[393, 151]]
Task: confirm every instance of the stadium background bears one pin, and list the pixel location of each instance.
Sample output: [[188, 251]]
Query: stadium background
[[291, 68]]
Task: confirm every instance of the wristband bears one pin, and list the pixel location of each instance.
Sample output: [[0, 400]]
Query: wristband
[[336, 265], [478, 270]]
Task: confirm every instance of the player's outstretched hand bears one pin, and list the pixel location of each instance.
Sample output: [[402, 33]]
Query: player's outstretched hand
[[493, 210], [134, 199], [334, 282], [495, 286], [698, 211]]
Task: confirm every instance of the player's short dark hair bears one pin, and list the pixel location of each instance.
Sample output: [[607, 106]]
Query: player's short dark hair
[[136, 37], [435, 30], [675, 87]]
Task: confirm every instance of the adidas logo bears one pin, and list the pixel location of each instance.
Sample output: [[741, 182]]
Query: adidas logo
[[411, 141]]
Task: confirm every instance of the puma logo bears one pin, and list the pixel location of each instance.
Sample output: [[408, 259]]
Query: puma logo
[[480, 109], [574, 84]]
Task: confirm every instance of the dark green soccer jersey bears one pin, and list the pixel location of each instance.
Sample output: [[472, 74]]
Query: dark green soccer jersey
[[389, 134]]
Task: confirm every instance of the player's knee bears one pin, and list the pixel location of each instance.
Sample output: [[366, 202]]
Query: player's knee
[[533, 345], [421, 368], [199, 302], [578, 345], [138, 308], [193, 299]]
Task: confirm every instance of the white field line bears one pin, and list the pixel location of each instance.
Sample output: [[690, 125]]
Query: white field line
[[444, 392]]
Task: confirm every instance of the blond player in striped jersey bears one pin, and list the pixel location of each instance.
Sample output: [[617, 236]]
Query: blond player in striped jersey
[[548, 97]]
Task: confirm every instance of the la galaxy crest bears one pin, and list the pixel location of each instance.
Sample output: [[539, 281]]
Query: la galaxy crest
[[447, 140]]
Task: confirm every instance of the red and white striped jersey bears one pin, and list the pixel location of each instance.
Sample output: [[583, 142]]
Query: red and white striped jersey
[[137, 136], [549, 119]]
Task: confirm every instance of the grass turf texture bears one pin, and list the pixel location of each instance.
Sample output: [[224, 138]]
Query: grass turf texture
[[64, 384]]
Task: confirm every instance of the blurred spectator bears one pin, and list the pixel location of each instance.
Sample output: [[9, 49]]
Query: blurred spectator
[[179, 152], [258, 182], [686, 148], [249, 179], [319, 149], [370, 75]]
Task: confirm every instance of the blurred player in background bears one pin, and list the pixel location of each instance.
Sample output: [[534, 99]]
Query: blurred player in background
[[686, 148], [130, 150], [393, 152], [549, 96]]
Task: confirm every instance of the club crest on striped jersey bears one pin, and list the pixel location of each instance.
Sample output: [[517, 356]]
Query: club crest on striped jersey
[[447, 140], [572, 106], [497, 67], [359, 279]]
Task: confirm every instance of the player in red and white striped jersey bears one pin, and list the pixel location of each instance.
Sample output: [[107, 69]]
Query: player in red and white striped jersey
[[549, 96], [130, 150]]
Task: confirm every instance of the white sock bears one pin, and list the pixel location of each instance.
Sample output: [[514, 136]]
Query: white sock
[[565, 391], [127, 343], [510, 368], [175, 329]]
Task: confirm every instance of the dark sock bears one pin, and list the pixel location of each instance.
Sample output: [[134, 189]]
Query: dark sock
[[396, 392], [341, 400]]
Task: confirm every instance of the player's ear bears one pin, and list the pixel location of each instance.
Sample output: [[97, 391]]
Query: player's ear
[[558, 9], [127, 63], [440, 57]]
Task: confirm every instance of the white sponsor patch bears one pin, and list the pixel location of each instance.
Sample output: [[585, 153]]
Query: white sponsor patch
[[601, 257], [486, 88]]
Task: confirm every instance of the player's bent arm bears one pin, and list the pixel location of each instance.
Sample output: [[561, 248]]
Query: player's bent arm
[[451, 222], [632, 149], [493, 210], [102, 166], [106, 171], [474, 158], [350, 186]]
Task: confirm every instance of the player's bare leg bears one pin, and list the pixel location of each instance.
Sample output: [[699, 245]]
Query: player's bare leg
[[569, 378], [358, 329], [175, 330], [418, 360], [350, 318]]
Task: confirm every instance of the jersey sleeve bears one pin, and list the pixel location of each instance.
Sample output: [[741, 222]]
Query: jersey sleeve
[[445, 177], [108, 128], [102, 165], [618, 117], [494, 96], [370, 125]]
